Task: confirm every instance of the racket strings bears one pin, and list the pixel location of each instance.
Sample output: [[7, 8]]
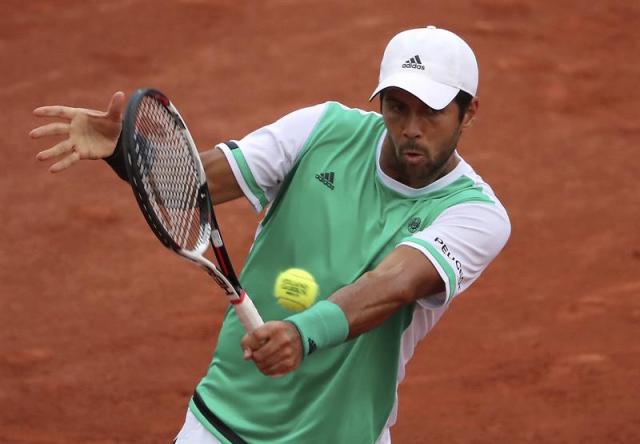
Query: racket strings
[[169, 174]]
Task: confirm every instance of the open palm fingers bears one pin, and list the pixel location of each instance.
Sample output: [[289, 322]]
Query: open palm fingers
[[65, 162], [50, 129], [63, 112], [64, 147], [64, 151]]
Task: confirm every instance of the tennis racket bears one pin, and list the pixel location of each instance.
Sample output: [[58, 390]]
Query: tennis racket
[[170, 186]]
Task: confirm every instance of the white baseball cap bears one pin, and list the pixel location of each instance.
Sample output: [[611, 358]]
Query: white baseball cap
[[432, 64]]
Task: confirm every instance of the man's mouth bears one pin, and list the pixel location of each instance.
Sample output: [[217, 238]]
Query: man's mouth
[[412, 156]]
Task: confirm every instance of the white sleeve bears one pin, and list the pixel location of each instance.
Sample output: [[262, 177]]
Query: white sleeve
[[460, 244], [262, 159]]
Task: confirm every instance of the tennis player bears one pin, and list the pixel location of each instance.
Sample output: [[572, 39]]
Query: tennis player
[[380, 208]]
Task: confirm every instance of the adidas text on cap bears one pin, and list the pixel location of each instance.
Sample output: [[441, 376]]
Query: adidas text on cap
[[432, 64]]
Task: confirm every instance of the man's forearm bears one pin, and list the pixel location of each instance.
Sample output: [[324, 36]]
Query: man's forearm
[[402, 278]]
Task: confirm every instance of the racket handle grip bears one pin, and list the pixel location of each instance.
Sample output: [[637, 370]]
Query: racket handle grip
[[248, 315]]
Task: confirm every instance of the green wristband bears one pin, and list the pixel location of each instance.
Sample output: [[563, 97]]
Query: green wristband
[[321, 326]]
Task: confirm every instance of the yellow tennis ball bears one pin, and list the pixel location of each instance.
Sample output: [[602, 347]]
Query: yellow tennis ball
[[295, 289]]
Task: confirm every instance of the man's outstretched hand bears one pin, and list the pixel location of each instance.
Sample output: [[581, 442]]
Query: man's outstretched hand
[[88, 134]]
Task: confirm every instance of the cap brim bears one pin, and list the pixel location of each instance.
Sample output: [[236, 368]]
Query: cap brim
[[436, 95]]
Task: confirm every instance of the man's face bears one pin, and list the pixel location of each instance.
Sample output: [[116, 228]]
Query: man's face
[[420, 140]]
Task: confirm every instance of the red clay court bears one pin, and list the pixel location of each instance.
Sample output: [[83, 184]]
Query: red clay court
[[103, 339]]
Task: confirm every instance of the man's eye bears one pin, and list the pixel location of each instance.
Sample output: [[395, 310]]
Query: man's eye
[[432, 112]]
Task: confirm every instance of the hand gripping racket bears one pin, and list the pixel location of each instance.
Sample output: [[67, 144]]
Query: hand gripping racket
[[170, 185]]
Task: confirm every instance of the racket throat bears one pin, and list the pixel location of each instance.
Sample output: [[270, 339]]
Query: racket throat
[[240, 299], [223, 283]]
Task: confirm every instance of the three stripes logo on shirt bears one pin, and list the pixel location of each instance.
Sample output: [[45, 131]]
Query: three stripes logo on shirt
[[327, 179], [414, 62], [312, 345]]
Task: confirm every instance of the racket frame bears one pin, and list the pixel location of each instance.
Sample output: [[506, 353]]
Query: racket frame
[[236, 295]]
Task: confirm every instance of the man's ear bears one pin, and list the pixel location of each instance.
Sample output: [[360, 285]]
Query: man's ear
[[470, 115]]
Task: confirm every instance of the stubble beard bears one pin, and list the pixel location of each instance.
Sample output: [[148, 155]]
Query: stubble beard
[[432, 168]]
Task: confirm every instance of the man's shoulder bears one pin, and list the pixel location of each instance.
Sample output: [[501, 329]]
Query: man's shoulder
[[341, 108], [461, 188], [337, 117], [331, 112]]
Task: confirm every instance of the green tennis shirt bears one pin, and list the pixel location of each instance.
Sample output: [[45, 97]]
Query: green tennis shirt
[[332, 211]]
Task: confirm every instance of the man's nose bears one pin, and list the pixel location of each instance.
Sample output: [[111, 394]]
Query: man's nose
[[412, 128]]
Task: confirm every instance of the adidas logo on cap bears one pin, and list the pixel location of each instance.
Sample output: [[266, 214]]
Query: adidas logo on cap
[[414, 62]]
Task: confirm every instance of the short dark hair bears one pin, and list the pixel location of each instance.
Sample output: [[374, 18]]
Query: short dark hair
[[463, 99]]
